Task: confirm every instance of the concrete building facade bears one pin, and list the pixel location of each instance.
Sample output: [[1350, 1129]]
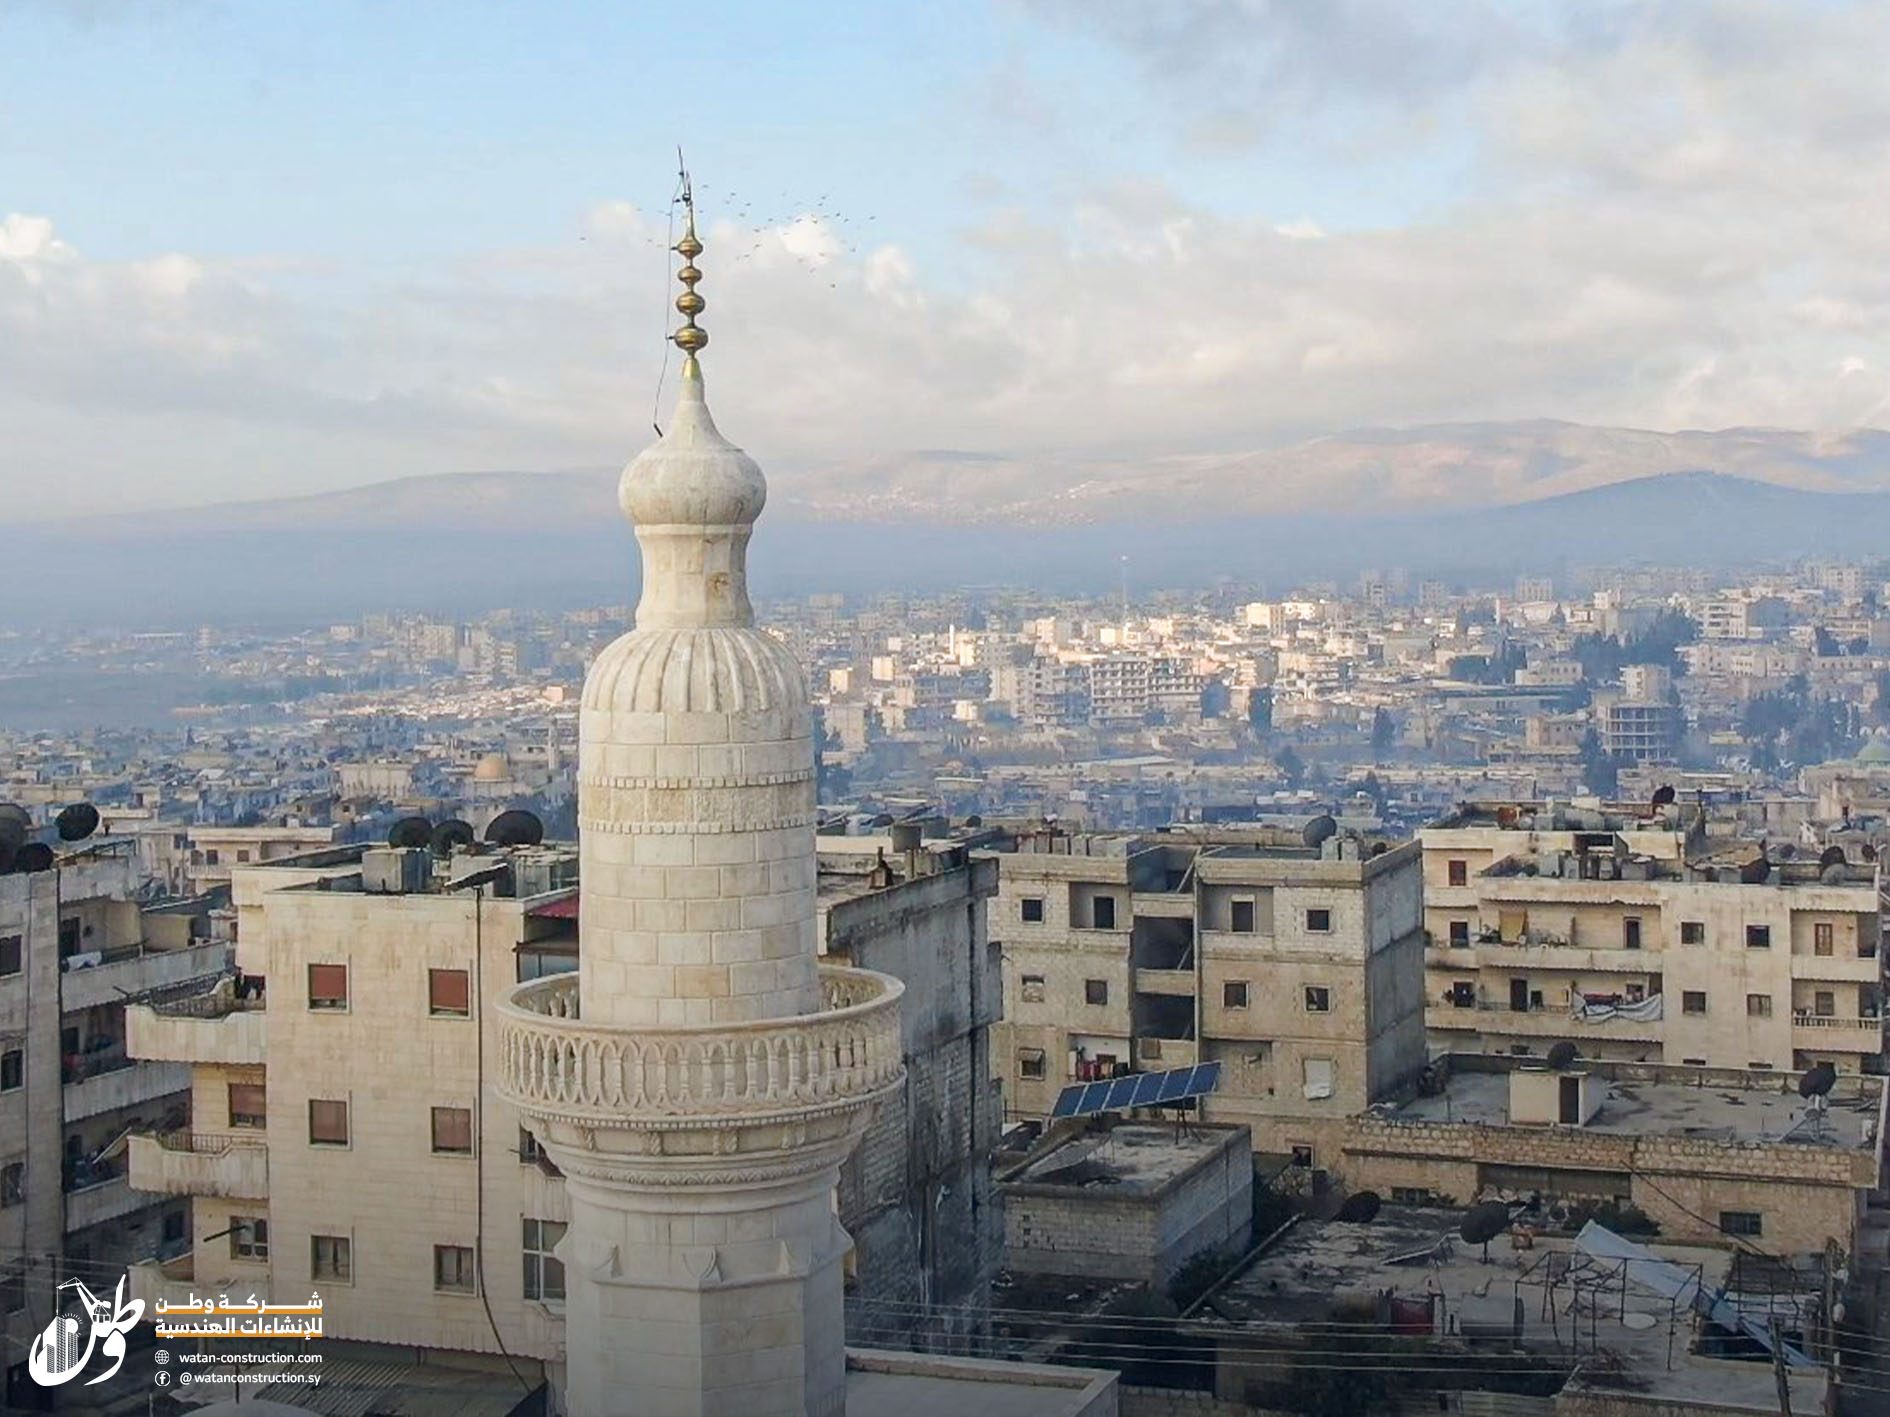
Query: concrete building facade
[[1297, 967], [1635, 938]]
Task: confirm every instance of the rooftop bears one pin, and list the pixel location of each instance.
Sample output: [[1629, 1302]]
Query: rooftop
[[1328, 1271], [1715, 1106], [1130, 1158]]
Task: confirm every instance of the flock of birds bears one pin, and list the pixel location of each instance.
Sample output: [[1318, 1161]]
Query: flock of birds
[[757, 230]]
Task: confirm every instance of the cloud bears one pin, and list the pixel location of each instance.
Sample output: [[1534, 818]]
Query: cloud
[[1671, 220]]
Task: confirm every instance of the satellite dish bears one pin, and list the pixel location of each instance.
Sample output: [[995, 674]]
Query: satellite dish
[[974, 821], [1785, 851], [452, 835], [77, 822], [1818, 1079], [884, 819], [7, 851], [1379, 848], [34, 856], [1663, 796], [1563, 1054], [1754, 872], [1360, 1208], [1831, 856], [1319, 830], [1483, 1223], [410, 832], [515, 828], [15, 823]]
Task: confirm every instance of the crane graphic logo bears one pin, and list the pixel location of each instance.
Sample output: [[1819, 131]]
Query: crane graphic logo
[[61, 1352]]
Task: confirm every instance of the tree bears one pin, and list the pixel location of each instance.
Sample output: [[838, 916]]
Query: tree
[[1260, 711], [1384, 735], [1291, 764], [1601, 771]]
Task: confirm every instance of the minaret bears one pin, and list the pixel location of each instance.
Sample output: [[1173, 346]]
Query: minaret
[[700, 1078]]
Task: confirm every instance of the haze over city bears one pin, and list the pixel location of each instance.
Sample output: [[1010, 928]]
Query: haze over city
[[1045, 708]]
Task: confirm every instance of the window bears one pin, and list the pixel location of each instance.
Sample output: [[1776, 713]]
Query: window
[[1032, 986], [1030, 1063], [1096, 991], [1824, 1004], [453, 1271], [9, 955], [327, 1122], [1302, 1154], [1741, 1222], [1234, 994], [1631, 933], [331, 1257], [1693, 1001], [1758, 937], [449, 993], [1692, 932], [249, 1106], [242, 855], [249, 1238], [1463, 994], [174, 1225], [1319, 922], [1821, 938], [1412, 1195], [452, 1130], [1317, 1077], [1318, 999], [1758, 1006], [13, 1287], [1459, 873], [1694, 1062], [544, 1275], [528, 1149], [12, 1069], [1103, 912], [1030, 909], [210, 856], [328, 986], [1240, 917], [1460, 934], [71, 932], [13, 1183]]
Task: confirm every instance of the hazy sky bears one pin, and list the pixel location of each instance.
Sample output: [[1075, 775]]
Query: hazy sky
[[251, 248]]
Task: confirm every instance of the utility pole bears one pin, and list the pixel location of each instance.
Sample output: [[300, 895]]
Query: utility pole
[[1778, 1369]]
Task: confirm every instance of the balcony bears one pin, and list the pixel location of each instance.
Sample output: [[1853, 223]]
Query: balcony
[[97, 1192], [135, 969], [201, 1164], [1836, 1033], [109, 1078], [173, 1281], [1438, 955], [1179, 982], [1846, 969], [1585, 959], [210, 1028], [1503, 1021]]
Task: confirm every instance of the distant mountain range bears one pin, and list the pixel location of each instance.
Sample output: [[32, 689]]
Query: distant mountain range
[[1472, 502]]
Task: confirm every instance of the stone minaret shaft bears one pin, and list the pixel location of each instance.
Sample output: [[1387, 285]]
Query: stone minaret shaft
[[701, 1079]]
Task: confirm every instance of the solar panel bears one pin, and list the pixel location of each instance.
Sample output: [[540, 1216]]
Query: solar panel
[[1121, 1094], [1148, 1088], [1159, 1089]]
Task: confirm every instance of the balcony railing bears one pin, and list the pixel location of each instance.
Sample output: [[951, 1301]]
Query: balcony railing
[[200, 1164], [1805, 1019], [95, 1062], [552, 1062]]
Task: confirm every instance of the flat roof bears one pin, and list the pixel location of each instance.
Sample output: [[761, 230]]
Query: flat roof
[[1131, 1158], [1414, 1252], [882, 1383], [1769, 1109]]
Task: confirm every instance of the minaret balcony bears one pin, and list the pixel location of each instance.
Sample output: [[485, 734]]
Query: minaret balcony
[[557, 1068]]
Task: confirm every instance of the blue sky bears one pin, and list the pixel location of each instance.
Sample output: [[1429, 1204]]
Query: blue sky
[[279, 247]]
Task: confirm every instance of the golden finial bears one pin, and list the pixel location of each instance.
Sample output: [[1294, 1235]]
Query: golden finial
[[691, 337]]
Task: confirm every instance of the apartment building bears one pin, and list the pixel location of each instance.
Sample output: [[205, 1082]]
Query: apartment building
[[1298, 966], [1635, 937], [75, 949], [345, 1135]]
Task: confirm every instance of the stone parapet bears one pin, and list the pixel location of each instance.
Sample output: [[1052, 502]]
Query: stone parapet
[[555, 1066]]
